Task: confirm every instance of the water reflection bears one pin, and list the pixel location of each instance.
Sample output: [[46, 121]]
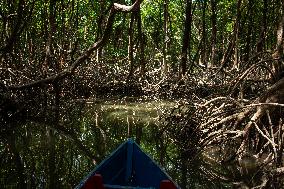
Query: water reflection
[[115, 121], [96, 127]]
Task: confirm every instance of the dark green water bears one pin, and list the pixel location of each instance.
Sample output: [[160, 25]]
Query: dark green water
[[117, 120], [38, 153]]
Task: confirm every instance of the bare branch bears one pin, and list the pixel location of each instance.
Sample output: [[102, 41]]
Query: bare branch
[[125, 8]]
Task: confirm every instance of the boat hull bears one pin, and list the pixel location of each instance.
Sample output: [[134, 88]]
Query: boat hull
[[129, 167]]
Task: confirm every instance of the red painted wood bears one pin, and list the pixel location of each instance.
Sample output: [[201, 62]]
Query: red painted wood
[[167, 184], [99, 181], [94, 182]]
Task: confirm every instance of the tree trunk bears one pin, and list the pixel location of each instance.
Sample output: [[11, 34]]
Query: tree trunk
[[232, 44], [186, 39], [204, 35], [130, 47], [278, 66], [166, 40], [236, 33], [100, 29], [16, 29], [52, 178], [141, 42], [214, 31], [261, 41], [249, 31], [280, 35]]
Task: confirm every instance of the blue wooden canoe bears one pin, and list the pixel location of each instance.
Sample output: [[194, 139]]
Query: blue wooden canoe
[[128, 167]]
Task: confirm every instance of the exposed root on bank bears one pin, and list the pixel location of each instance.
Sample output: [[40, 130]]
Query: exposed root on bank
[[242, 126]]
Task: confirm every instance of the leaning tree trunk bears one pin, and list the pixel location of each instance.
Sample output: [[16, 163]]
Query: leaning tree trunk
[[233, 42]]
